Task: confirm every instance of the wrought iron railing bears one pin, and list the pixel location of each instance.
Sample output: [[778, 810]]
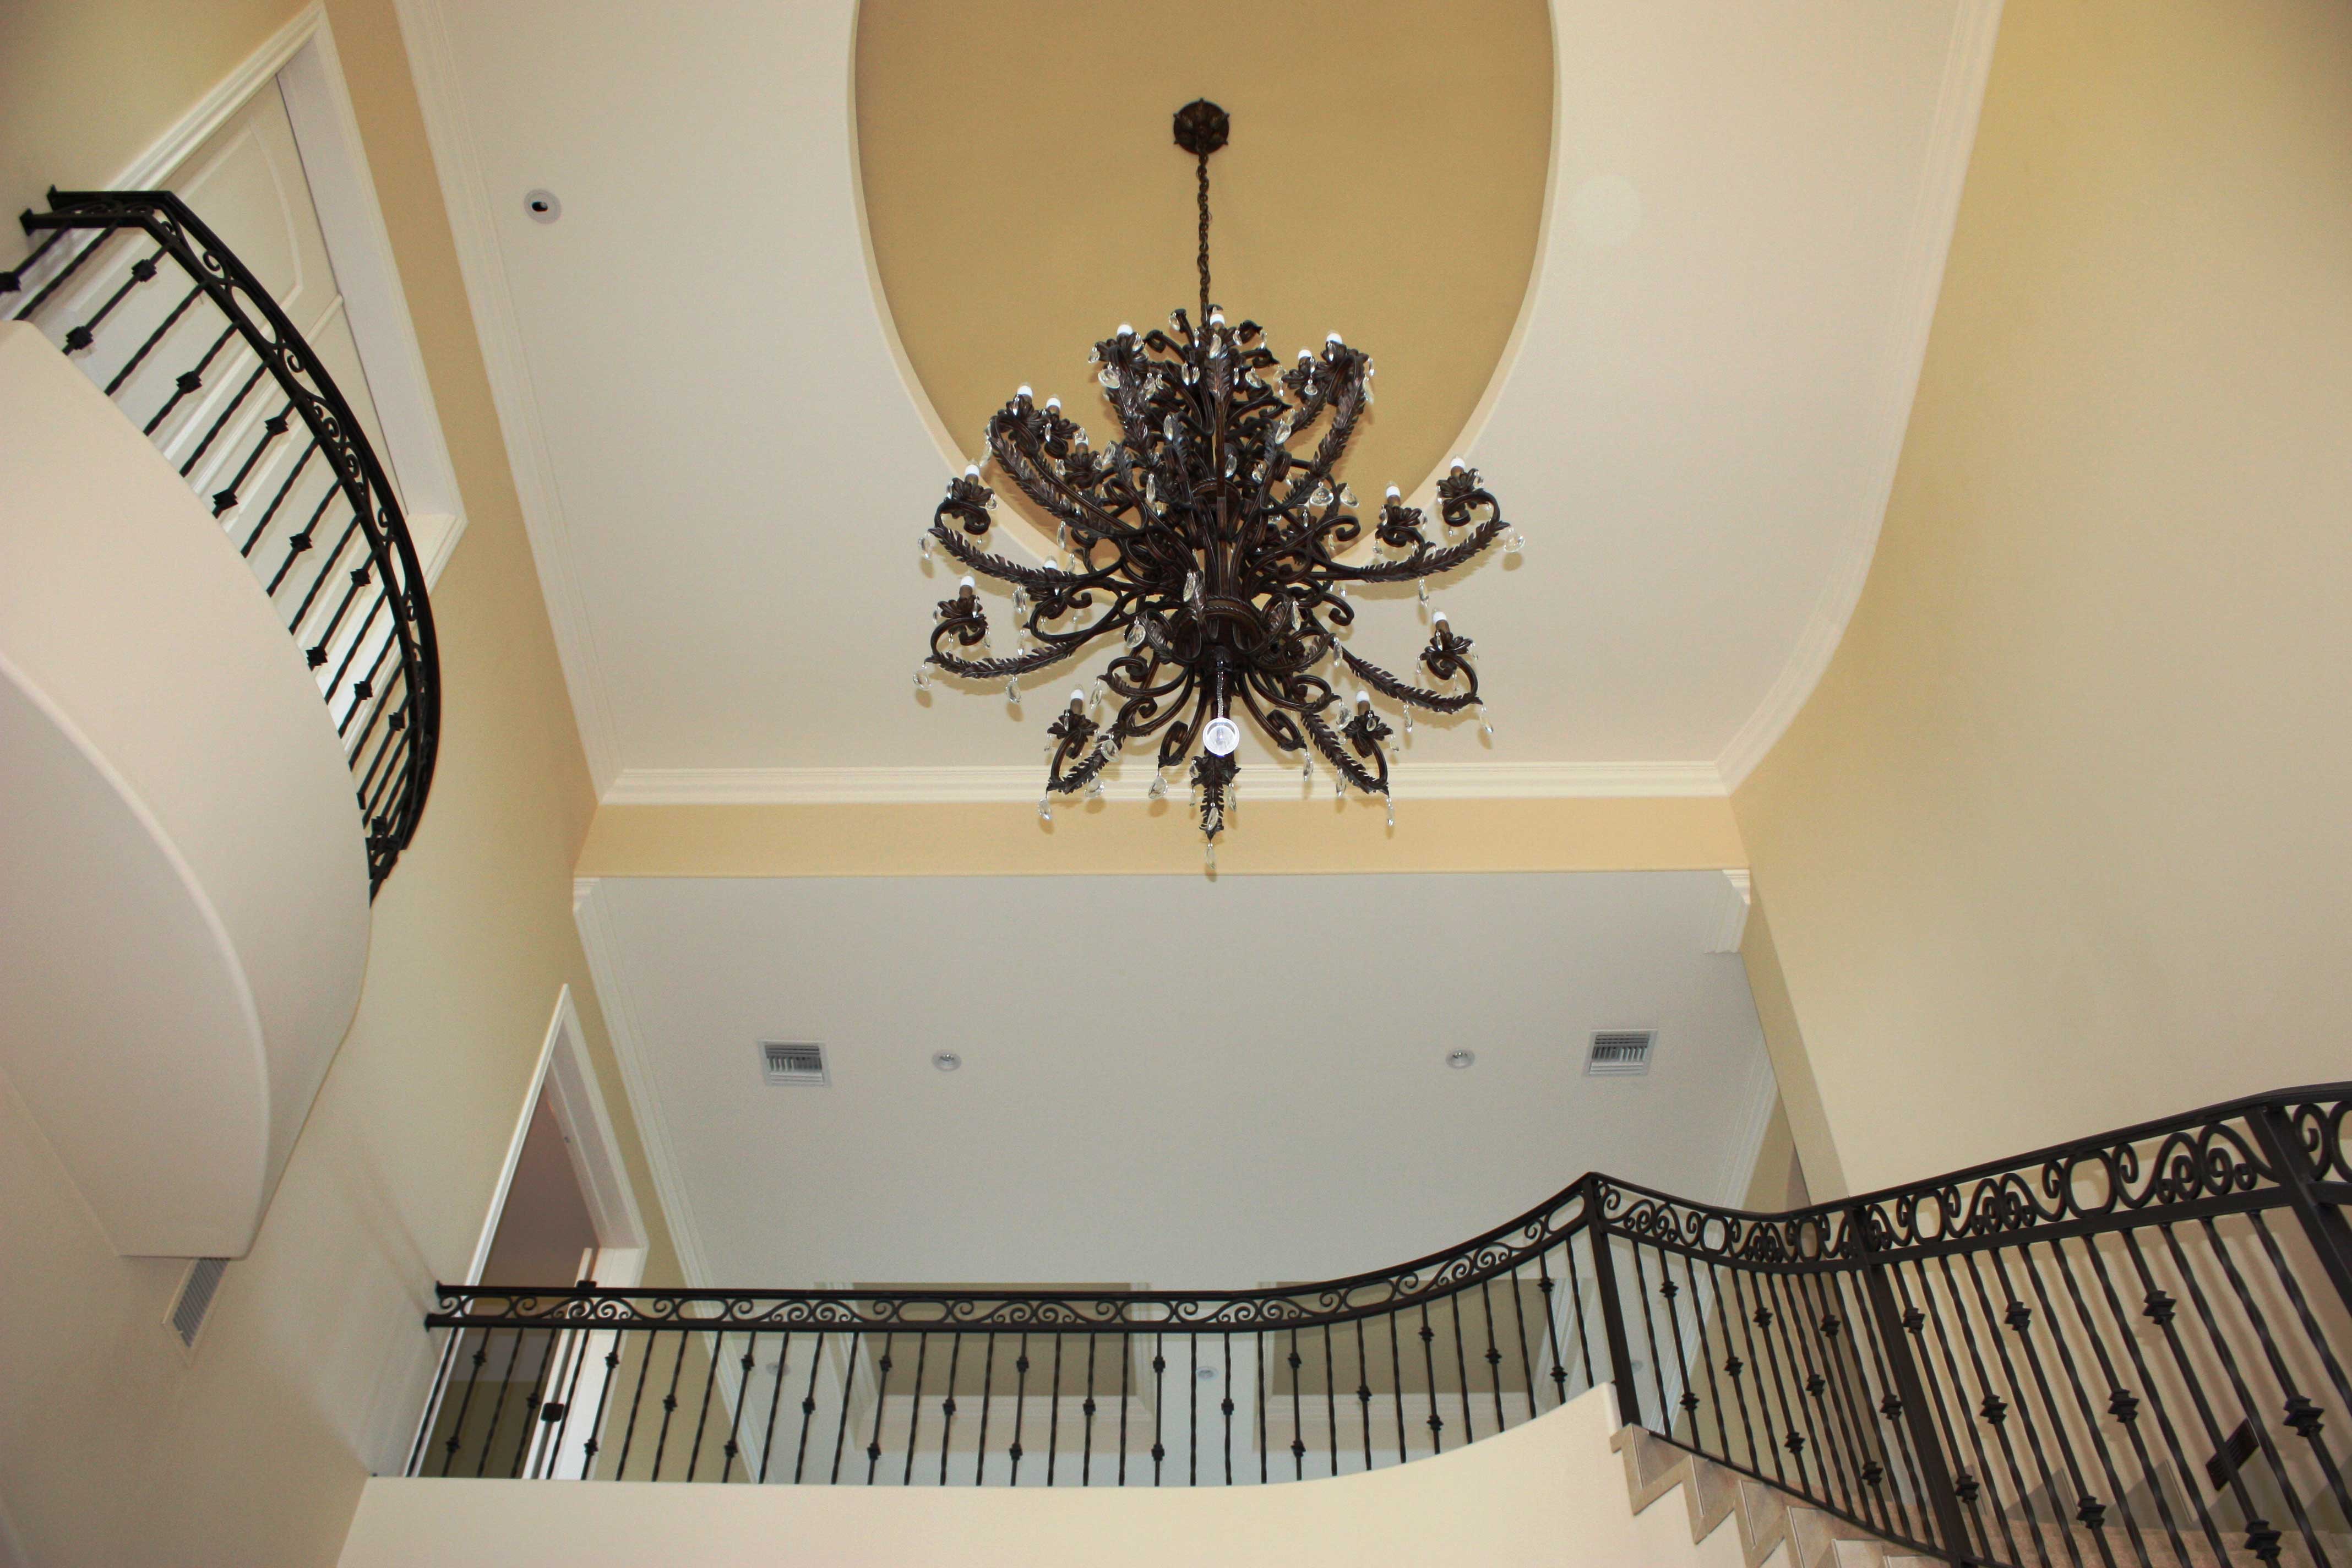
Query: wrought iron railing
[[213, 372], [2124, 1350]]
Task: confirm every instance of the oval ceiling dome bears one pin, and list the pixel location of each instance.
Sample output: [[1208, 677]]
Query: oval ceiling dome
[[1385, 181]]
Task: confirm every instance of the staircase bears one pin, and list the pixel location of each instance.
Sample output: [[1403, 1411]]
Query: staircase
[[1770, 1519]]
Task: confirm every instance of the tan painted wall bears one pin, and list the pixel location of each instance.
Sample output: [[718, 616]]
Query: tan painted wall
[[2062, 839], [1549, 1493], [114, 1451], [1272, 837]]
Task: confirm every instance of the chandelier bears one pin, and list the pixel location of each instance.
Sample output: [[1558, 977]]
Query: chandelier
[[1205, 547]]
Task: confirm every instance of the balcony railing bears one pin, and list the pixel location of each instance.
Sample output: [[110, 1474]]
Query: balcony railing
[[196, 351], [2125, 1350]]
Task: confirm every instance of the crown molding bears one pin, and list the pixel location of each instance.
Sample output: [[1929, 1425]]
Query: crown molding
[[1951, 139], [952, 785], [490, 295]]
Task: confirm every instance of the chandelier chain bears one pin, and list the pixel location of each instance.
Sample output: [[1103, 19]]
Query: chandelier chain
[[1204, 236]]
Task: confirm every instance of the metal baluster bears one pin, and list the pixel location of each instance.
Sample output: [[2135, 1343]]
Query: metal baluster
[[1429, 1364], [1226, 1404], [1650, 1337], [1527, 1357], [840, 1426], [987, 1384], [1363, 1395], [1804, 1401], [141, 271], [1053, 1413], [1087, 1459], [1759, 1320], [1462, 1368], [2305, 1420], [636, 1401], [1493, 1352], [498, 1410], [1257, 1371], [144, 348], [1707, 1358], [233, 403], [1995, 1410], [1158, 1399], [1558, 1374], [439, 1388], [1872, 1326], [1834, 1399], [457, 1429], [530, 1412], [742, 1397], [915, 1410], [710, 1380], [1667, 1293], [1126, 1366], [1396, 1380], [776, 1400], [577, 1346], [2018, 1391], [13, 279], [2245, 1397], [1733, 1367], [2121, 1405], [2158, 1308], [669, 1405], [881, 1398], [271, 430], [1592, 1238], [1297, 1415], [2089, 1510], [1192, 1410], [1020, 1402], [1330, 1399], [948, 1404], [1966, 1488], [188, 381], [808, 1407]]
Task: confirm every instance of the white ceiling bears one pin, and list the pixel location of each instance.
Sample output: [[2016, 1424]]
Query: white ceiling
[[725, 472], [1232, 1108]]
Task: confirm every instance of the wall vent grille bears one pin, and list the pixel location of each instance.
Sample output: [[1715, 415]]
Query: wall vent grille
[[196, 1297], [1620, 1052], [794, 1062]]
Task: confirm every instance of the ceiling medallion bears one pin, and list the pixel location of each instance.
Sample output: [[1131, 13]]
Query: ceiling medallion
[[1208, 548]]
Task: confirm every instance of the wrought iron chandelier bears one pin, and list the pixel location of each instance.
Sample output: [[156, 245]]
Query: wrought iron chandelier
[[1207, 549]]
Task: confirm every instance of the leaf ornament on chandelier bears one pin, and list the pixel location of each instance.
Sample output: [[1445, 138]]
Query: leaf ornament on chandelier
[[1204, 546]]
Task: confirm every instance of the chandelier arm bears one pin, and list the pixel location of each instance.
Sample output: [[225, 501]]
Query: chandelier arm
[[1402, 690], [1046, 488], [1279, 727], [1424, 561], [1179, 739], [998, 667], [1048, 578], [1327, 743], [1099, 747]]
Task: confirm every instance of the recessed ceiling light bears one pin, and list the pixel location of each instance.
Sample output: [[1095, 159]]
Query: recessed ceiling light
[[545, 206], [946, 1061], [1458, 1058]]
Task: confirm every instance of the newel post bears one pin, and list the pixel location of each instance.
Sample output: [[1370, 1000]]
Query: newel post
[[2313, 1202], [1613, 1307], [1897, 1332]]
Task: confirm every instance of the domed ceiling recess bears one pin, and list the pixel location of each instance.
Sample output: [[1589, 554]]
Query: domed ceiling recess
[[1385, 181], [1684, 253]]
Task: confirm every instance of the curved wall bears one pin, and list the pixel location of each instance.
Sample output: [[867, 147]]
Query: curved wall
[[183, 874]]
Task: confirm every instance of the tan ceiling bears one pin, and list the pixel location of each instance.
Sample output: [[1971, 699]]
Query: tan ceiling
[[1385, 181]]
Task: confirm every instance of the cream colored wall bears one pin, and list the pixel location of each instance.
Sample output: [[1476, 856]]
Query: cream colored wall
[[1549, 1492], [1109, 837], [2061, 840], [115, 1450]]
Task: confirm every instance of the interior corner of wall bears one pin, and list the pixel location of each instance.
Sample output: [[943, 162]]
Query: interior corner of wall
[[1784, 1040]]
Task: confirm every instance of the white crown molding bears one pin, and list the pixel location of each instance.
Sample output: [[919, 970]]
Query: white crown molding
[[591, 913], [432, 66], [1951, 139], [229, 95], [1732, 898], [947, 786]]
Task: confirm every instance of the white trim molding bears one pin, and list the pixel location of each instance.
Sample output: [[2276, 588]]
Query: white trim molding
[[1745, 1144], [1734, 894], [950, 785], [1951, 139], [300, 58], [433, 69], [593, 913]]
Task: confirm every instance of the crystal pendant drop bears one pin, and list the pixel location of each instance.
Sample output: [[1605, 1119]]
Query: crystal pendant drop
[[922, 678], [1408, 721], [1231, 462], [1045, 808], [1020, 601], [1391, 814], [927, 547], [1209, 857], [1012, 691], [1514, 543], [1346, 495], [1108, 377], [1322, 496], [1094, 788], [1169, 426], [1158, 785], [1135, 632], [1421, 585], [1339, 786], [1485, 725]]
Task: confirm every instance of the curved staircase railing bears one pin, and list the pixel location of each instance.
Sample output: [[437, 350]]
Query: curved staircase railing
[[214, 372], [2126, 1349]]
